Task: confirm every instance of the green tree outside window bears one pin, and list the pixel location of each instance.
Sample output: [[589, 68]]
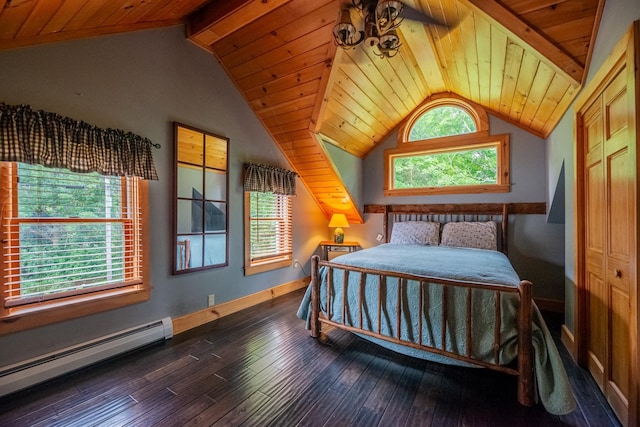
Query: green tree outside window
[[442, 121], [454, 168], [445, 168]]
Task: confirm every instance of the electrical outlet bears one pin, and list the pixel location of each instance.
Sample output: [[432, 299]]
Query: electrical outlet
[[379, 237], [211, 300]]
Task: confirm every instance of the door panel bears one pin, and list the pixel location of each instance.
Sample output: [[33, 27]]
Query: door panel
[[617, 389], [619, 183], [597, 306], [615, 98], [595, 232], [619, 363], [595, 212], [593, 127], [619, 206]]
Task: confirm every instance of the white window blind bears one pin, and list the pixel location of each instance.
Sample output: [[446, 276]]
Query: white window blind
[[67, 234], [270, 226]]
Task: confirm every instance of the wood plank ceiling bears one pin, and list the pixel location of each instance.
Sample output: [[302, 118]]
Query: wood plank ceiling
[[522, 60]]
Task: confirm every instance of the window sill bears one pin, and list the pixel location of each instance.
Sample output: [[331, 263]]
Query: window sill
[[467, 189], [267, 266], [35, 315]]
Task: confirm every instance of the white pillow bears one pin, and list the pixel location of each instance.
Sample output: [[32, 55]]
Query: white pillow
[[416, 233], [480, 235]]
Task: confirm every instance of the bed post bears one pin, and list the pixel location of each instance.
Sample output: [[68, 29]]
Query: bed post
[[315, 297], [505, 226], [385, 224], [525, 346]]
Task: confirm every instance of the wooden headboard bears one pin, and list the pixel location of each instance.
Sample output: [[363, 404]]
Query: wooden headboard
[[456, 211], [450, 213]]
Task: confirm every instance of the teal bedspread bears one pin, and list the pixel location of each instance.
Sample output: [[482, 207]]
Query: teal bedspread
[[474, 265]]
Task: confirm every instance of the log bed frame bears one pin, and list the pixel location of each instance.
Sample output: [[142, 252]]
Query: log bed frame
[[441, 213]]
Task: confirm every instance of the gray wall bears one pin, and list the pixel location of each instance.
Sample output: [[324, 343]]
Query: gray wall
[[616, 20], [535, 248], [142, 82], [350, 170]]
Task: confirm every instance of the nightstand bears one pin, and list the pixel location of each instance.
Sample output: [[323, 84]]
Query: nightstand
[[331, 250]]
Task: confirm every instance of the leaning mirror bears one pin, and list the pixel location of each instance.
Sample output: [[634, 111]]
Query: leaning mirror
[[201, 225]]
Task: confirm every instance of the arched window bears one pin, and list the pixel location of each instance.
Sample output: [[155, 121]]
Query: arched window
[[444, 147], [439, 122]]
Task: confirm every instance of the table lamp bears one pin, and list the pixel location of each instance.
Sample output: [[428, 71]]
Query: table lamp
[[338, 221]]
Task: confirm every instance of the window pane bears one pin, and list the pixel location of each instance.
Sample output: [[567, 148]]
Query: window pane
[[216, 153], [216, 184], [215, 216], [189, 181], [215, 249], [183, 252], [270, 226], [60, 256], [195, 260], [68, 233], [453, 168], [442, 121], [58, 193], [189, 217]]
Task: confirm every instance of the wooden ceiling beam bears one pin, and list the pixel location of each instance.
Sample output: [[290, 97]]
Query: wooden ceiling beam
[[220, 18], [82, 34], [326, 86], [504, 17]]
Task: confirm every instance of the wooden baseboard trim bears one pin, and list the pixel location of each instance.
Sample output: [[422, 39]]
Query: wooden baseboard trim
[[198, 318], [553, 305], [569, 341]]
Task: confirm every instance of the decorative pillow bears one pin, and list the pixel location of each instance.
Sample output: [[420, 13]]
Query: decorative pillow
[[480, 235], [415, 232]]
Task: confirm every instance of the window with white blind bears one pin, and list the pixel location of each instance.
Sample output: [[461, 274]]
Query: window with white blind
[[268, 231], [69, 239]]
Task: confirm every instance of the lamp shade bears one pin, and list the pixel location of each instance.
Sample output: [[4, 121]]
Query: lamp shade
[[338, 220]]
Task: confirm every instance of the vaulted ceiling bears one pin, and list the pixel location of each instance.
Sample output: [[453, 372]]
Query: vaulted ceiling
[[522, 60]]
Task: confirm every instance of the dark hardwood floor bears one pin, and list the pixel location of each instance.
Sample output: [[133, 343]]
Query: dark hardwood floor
[[260, 367]]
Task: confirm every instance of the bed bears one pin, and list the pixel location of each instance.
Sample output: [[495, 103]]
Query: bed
[[442, 288]]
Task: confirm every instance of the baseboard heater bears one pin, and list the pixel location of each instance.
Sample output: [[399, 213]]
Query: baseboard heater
[[42, 368]]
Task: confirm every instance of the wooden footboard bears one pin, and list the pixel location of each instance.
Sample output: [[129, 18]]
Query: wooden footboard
[[524, 369]]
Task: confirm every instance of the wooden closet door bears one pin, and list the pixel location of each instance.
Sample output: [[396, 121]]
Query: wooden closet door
[[609, 176], [595, 226], [619, 179], [607, 217]]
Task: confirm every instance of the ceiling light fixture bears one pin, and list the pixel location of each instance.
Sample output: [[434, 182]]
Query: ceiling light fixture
[[381, 18]]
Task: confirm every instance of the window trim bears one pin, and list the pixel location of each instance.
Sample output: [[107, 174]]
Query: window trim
[[449, 143], [452, 143], [19, 318], [477, 113], [274, 263]]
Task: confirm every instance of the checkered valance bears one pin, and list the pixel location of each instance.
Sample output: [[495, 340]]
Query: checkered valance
[[269, 179], [48, 139]]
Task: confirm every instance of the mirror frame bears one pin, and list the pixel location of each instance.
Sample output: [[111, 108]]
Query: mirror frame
[[199, 162]]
